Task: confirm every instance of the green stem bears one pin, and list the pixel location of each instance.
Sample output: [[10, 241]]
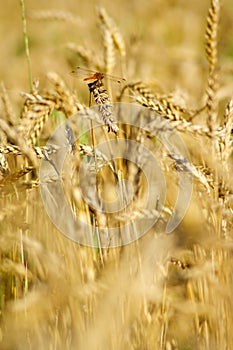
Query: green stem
[[26, 43]]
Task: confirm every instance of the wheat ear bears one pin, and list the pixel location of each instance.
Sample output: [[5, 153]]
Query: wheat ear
[[212, 58], [105, 108], [115, 33], [14, 136], [89, 58], [55, 15], [10, 115], [226, 141]]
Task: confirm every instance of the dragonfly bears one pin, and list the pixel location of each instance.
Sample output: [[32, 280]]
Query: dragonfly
[[90, 74]]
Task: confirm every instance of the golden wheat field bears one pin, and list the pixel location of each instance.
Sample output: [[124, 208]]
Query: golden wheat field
[[116, 189]]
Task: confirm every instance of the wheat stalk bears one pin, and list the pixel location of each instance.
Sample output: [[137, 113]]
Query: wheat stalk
[[25, 34]]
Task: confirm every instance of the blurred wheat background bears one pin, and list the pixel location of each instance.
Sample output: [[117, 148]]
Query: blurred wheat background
[[162, 291]]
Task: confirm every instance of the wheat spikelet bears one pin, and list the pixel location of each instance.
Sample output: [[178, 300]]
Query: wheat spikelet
[[88, 56], [212, 57], [109, 54], [45, 152], [175, 120], [141, 89], [225, 142], [37, 108], [184, 126], [212, 34], [13, 177], [3, 138], [101, 158], [28, 184], [35, 113], [165, 110], [41, 152], [144, 213], [14, 136], [112, 28], [211, 100], [228, 116], [55, 15], [180, 263], [96, 159], [38, 115], [64, 99], [39, 125], [10, 149], [161, 103], [4, 167], [10, 116], [90, 114], [183, 165]]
